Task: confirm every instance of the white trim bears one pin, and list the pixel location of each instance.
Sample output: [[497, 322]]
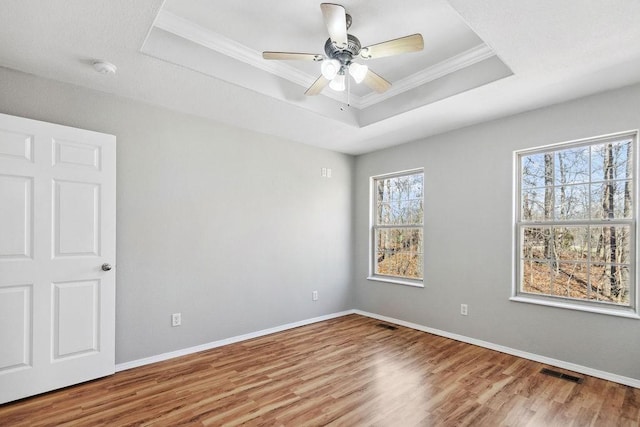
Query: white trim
[[575, 304], [397, 281], [607, 137], [186, 29], [441, 69], [419, 169], [631, 382], [231, 340]]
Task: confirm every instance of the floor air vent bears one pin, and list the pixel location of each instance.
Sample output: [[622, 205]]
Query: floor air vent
[[384, 325], [561, 375]]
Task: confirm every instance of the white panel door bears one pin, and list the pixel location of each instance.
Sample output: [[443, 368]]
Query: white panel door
[[57, 244]]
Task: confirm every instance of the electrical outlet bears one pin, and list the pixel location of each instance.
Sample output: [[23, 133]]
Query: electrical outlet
[[176, 319], [464, 309], [314, 295]]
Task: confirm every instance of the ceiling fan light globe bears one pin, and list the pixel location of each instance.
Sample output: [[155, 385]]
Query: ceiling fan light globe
[[358, 71], [330, 68], [338, 83]]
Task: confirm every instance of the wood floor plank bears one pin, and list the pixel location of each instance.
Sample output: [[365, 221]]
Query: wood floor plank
[[347, 371]]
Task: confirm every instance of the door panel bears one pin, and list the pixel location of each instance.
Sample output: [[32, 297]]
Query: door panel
[[75, 318], [15, 309], [76, 219], [16, 145], [16, 216], [57, 227], [75, 154]]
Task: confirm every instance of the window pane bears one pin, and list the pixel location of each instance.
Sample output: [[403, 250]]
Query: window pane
[[536, 277], [532, 171], [571, 202], [611, 244], [611, 200], [611, 161], [405, 212], [384, 214], [571, 166], [399, 200], [570, 280], [610, 283], [406, 187], [417, 186], [399, 252], [382, 192], [535, 240], [399, 212], [395, 190], [571, 243], [533, 204]]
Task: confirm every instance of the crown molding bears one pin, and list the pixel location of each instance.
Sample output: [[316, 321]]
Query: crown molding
[[441, 69], [188, 30]]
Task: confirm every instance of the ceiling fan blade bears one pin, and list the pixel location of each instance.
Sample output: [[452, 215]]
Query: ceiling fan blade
[[412, 43], [317, 86], [375, 82], [335, 18], [292, 55]]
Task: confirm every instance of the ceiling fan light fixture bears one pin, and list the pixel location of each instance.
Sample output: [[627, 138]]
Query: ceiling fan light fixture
[[330, 68], [338, 83], [358, 71], [341, 48]]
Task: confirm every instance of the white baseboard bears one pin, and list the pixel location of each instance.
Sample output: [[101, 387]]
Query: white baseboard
[[632, 382], [190, 350]]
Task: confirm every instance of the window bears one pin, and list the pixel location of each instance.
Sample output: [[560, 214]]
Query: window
[[396, 228], [576, 227]]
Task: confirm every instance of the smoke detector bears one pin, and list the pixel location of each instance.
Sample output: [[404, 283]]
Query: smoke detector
[[104, 67]]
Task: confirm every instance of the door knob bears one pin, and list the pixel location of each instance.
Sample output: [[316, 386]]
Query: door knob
[[106, 267]]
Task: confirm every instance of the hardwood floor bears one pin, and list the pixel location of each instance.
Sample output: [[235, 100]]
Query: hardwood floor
[[347, 371]]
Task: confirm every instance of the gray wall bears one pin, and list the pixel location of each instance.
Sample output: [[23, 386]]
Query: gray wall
[[231, 228], [468, 237], [235, 229]]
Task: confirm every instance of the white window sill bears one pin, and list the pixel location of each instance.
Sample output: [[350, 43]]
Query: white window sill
[[611, 311], [397, 281]]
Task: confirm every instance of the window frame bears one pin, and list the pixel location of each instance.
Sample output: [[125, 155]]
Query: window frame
[[601, 307], [373, 227]]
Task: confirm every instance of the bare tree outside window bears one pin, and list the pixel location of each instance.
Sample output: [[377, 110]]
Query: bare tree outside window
[[576, 222], [397, 226]]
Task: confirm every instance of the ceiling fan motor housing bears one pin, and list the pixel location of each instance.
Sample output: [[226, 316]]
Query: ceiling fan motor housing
[[344, 55]]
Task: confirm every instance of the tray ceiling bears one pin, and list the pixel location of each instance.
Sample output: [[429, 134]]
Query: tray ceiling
[[226, 41], [483, 59]]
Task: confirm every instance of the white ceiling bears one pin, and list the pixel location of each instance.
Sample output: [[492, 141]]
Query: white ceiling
[[556, 49]]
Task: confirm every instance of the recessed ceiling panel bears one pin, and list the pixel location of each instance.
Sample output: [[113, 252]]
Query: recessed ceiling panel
[[225, 40]]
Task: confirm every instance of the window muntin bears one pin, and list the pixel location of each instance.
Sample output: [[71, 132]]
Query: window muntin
[[397, 227], [576, 231]]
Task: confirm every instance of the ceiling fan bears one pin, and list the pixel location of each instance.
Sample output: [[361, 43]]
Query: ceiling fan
[[341, 49]]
